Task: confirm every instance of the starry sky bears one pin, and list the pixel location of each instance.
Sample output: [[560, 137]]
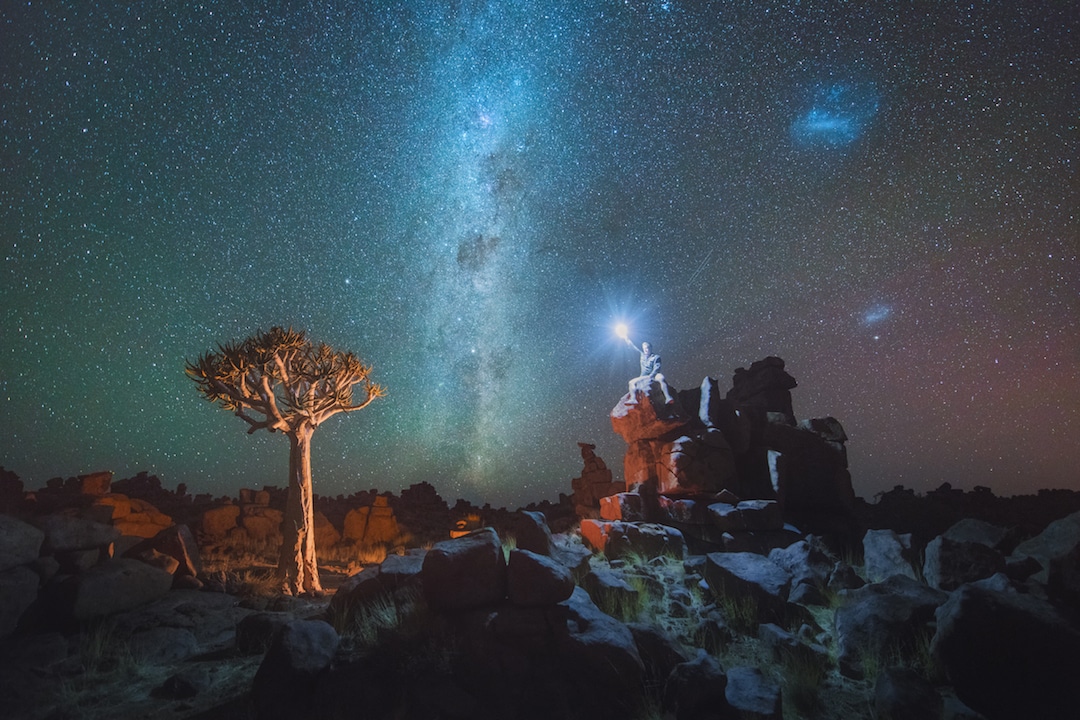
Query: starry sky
[[470, 194]]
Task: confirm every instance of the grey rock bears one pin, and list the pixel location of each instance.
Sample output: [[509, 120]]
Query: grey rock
[[177, 542], [806, 561], [598, 646], [844, 577], [284, 684], [752, 695], [18, 591], [750, 575], [113, 587], [659, 652], [68, 532], [609, 588], [531, 531], [949, 563], [20, 542], [882, 616], [1008, 655], [163, 645], [536, 580], [903, 694], [646, 539], [1057, 548], [697, 689], [977, 531], [357, 590], [466, 572], [255, 632], [401, 571], [886, 554]]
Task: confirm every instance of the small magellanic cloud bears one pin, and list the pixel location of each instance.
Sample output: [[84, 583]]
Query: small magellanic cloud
[[836, 116]]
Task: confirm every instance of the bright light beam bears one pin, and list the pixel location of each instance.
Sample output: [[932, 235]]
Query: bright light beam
[[622, 330]]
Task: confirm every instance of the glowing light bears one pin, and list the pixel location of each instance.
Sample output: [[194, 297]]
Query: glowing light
[[622, 330]]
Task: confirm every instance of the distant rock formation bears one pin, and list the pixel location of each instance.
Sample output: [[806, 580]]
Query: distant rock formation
[[374, 523], [594, 483]]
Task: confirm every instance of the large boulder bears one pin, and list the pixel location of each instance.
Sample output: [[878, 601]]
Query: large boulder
[[950, 564], [176, 542], [326, 535], [809, 475], [1009, 655], [747, 515], [903, 694], [973, 530], [885, 553], [749, 575], [752, 695], [1057, 549], [807, 561], [20, 542], [218, 521], [112, 587], [764, 386], [697, 689], [610, 589], [537, 580], [261, 523], [285, 682], [660, 652], [144, 520], [618, 539], [651, 418], [375, 523], [881, 618], [18, 590], [531, 532], [601, 640], [163, 645], [69, 532], [695, 464], [466, 572], [594, 484]]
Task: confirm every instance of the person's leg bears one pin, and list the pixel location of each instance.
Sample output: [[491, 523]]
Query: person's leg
[[664, 386]]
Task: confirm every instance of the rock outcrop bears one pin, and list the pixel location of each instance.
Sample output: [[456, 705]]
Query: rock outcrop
[[594, 483], [731, 472]]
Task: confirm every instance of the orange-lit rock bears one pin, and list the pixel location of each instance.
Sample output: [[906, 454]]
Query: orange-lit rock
[[356, 521], [372, 524], [261, 523], [119, 506], [326, 535], [594, 483], [217, 522], [382, 526], [648, 417]]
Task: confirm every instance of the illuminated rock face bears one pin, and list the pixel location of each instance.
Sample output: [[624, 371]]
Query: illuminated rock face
[[745, 444], [372, 524]]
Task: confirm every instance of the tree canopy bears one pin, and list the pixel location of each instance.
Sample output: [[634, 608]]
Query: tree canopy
[[279, 380]]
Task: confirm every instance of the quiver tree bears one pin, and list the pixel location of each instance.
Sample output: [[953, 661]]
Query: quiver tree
[[280, 381]]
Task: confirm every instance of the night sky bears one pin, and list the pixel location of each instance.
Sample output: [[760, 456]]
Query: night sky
[[470, 194]]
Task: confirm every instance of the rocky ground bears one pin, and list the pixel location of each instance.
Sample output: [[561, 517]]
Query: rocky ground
[[443, 632], [733, 574]]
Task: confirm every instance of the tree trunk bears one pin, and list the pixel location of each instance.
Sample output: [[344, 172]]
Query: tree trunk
[[297, 565]]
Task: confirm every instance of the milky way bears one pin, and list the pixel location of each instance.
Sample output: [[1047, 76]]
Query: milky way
[[470, 194]]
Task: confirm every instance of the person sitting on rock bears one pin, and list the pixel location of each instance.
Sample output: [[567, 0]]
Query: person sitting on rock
[[650, 370]]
